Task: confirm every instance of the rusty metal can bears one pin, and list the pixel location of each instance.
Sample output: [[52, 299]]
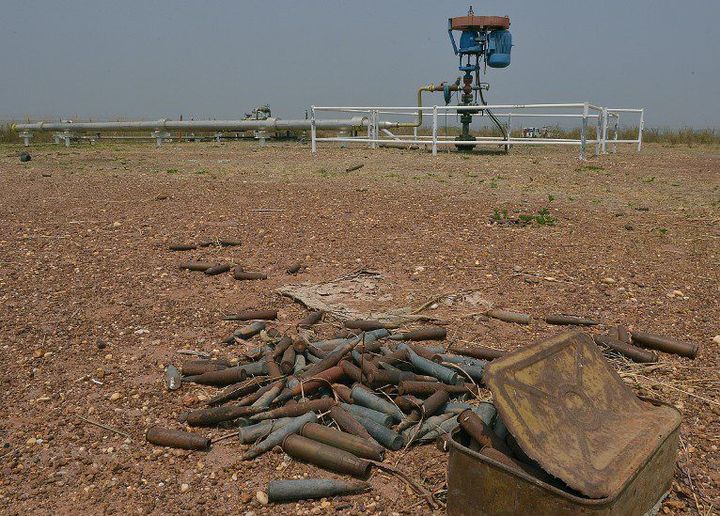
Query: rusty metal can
[[479, 431], [325, 456], [176, 439]]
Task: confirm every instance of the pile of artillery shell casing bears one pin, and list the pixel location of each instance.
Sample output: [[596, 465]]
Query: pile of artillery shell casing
[[338, 403]]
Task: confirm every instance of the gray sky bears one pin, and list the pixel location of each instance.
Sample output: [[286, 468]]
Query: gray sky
[[219, 58]]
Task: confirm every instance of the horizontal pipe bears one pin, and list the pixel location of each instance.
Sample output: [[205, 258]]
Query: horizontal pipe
[[272, 124], [463, 108], [512, 141]]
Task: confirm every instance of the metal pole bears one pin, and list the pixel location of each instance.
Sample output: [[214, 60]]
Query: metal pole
[[640, 129], [583, 131], [603, 145], [598, 137], [615, 130], [434, 131], [313, 131]]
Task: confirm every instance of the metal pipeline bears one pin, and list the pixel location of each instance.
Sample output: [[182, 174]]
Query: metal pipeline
[[271, 124]]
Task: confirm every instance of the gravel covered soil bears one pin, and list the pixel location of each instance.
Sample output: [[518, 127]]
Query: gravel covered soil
[[93, 305]]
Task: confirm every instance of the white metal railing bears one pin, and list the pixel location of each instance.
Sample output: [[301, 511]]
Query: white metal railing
[[602, 117]]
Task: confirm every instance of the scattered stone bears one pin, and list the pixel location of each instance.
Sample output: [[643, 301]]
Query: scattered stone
[[184, 488], [262, 497], [115, 396], [608, 280], [25, 157]]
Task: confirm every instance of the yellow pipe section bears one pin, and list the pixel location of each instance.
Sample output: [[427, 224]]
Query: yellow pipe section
[[429, 87]]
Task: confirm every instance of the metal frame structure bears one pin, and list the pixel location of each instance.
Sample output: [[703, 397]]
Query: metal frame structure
[[604, 117]]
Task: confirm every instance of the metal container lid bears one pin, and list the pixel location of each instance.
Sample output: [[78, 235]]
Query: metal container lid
[[571, 412]]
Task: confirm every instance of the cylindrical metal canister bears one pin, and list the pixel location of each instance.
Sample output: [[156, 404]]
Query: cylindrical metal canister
[[213, 416], [312, 488], [220, 378], [360, 411], [362, 396], [250, 434], [507, 316], [382, 434], [428, 388], [296, 409], [634, 353], [570, 320], [250, 315], [648, 340], [351, 443], [279, 435], [197, 367], [480, 352], [347, 422]]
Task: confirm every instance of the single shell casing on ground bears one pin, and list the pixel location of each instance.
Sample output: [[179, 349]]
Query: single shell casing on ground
[[408, 403], [428, 388], [351, 371], [264, 401], [480, 352], [431, 406], [364, 324], [570, 320], [173, 378], [507, 316], [278, 435], [429, 333], [213, 416], [347, 422], [217, 269], [476, 428], [297, 409], [294, 268], [362, 396], [426, 353], [311, 384], [196, 266], [312, 488], [253, 397], [273, 369], [310, 319], [250, 434], [634, 353], [331, 359], [258, 368], [358, 446], [240, 274], [196, 367], [343, 391], [325, 456], [360, 411], [220, 377], [648, 340], [250, 330], [176, 439], [250, 315], [382, 434], [182, 247]]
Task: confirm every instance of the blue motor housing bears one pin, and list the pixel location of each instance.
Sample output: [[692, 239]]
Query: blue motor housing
[[499, 46]]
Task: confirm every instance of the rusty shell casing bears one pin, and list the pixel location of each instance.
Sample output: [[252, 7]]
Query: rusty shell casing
[[213, 416], [634, 353], [299, 364], [332, 359], [299, 346], [399, 356], [364, 324], [284, 343], [321, 379], [428, 333], [217, 269], [196, 367], [428, 388], [272, 368], [264, 401], [325, 456], [480, 352], [392, 377], [368, 413], [648, 340], [251, 315], [252, 397], [347, 422], [310, 319], [358, 446], [297, 409], [196, 266], [623, 334], [515, 464], [569, 320], [294, 268], [312, 488], [315, 351], [235, 391], [343, 391], [351, 371], [242, 275], [182, 247], [250, 330], [435, 403], [426, 353], [277, 436], [476, 428], [428, 367], [176, 439], [220, 377], [408, 403], [507, 316], [287, 362]]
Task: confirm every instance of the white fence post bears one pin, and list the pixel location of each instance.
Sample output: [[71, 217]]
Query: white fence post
[[603, 144], [583, 131], [640, 129], [615, 131], [434, 132], [313, 131]]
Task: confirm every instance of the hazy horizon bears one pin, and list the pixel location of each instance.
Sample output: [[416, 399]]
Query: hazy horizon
[[218, 59]]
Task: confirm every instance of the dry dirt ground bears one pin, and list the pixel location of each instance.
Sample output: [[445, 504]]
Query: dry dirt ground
[[83, 236]]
